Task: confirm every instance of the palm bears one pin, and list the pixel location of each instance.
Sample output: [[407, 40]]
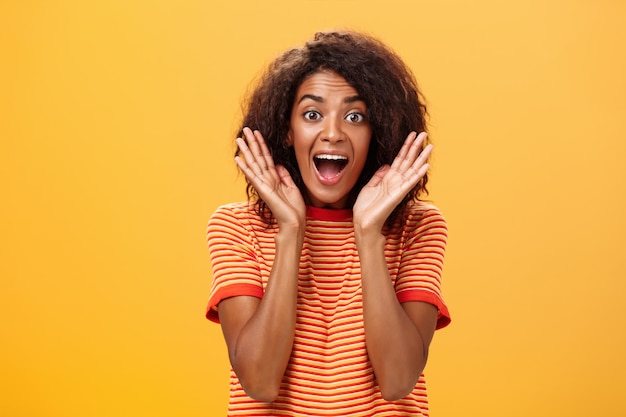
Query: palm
[[390, 184], [273, 183]]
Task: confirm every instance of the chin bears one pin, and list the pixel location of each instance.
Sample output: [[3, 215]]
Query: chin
[[330, 202]]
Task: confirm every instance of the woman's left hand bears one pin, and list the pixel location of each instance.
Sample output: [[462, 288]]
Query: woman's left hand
[[391, 183]]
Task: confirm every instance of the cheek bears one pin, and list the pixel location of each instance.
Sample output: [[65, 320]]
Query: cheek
[[301, 151], [363, 148]]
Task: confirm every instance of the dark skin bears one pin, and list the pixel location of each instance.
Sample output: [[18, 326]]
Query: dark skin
[[259, 333]]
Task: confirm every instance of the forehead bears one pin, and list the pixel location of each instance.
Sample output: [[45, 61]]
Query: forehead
[[325, 83]]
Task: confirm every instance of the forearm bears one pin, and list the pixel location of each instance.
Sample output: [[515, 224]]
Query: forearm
[[264, 344], [396, 349]]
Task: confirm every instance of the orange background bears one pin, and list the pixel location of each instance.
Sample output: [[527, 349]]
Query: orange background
[[116, 146]]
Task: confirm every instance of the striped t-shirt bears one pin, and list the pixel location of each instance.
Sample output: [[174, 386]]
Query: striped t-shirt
[[329, 373]]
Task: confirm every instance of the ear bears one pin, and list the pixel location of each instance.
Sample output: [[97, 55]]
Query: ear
[[290, 138]]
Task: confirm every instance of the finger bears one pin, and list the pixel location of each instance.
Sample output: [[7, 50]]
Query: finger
[[251, 150], [243, 166], [247, 164], [255, 149], [422, 171], [284, 176], [267, 155], [378, 176], [259, 181], [417, 146], [419, 168], [414, 150], [404, 150], [423, 156]]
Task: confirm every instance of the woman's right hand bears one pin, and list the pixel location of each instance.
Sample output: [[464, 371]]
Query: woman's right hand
[[259, 332], [273, 183]]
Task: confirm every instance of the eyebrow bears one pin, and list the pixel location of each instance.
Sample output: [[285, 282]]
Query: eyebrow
[[319, 99]]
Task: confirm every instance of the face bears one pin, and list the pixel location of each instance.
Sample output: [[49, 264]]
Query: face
[[330, 135]]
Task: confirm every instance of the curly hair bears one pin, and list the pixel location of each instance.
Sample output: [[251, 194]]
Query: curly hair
[[395, 105]]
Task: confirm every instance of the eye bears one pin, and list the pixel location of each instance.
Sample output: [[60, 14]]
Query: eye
[[312, 115], [355, 117]]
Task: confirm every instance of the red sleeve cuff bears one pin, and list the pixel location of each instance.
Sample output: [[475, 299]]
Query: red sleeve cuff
[[227, 292], [443, 317]]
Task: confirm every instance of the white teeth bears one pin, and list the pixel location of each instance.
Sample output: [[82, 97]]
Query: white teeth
[[331, 157]]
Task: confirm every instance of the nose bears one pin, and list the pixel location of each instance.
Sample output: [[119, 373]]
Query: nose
[[333, 129]]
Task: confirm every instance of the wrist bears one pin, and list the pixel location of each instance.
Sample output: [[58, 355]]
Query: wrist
[[368, 237], [292, 234]]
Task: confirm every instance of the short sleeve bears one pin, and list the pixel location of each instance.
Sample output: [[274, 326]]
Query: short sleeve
[[233, 258], [419, 275]]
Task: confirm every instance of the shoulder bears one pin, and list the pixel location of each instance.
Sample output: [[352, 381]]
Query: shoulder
[[230, 217], [423, 213], [240, 207], [424, 222], [240, 216], [234, 213]]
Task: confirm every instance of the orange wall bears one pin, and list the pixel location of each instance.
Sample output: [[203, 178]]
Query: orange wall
[[115, 147]]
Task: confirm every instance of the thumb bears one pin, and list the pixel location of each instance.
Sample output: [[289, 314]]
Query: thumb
[[284, 175], [378, 175]]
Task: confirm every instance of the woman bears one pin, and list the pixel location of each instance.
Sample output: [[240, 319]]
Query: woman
[[327, 281]]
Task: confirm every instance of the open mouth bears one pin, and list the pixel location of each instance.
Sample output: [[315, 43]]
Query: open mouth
[[330, 166]]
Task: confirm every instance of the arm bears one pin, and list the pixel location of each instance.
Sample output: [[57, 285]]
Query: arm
[[397, 336], [259, 333]]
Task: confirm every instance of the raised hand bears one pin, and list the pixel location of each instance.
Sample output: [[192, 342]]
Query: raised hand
[[391, 183], [273, 183]]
